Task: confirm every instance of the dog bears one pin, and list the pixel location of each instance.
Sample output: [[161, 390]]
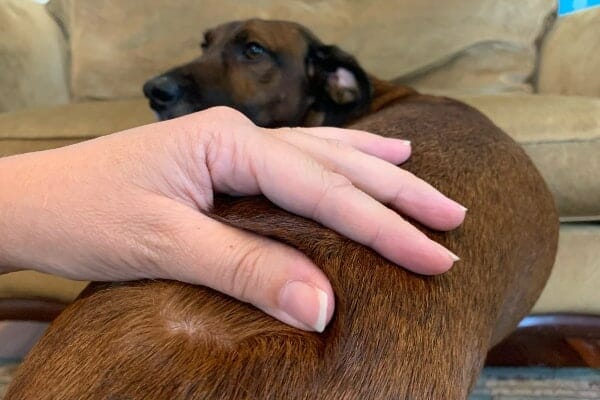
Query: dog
[[395, 334]]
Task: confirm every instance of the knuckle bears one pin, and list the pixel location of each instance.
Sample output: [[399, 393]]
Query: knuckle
[[339, 146], [405, 183], [332, 183], [399, 195], [375, 237], [152, 244], [284, 131], [225, 113], [338, 181], [244, 277]]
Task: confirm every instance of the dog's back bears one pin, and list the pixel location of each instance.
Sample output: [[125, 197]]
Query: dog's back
[[394, 334]]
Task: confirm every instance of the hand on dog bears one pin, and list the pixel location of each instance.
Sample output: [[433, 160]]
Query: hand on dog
[[129, 206]]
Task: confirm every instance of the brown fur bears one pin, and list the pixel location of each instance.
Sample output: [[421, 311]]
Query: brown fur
[[395, 334]]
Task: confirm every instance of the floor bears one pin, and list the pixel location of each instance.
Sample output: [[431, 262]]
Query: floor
[[538, 383], [16, 338], [495, 383]]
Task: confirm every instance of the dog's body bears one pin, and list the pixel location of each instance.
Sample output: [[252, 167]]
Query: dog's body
[[394, 335]]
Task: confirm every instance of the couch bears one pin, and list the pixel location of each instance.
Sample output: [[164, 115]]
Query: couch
[[72, 70]]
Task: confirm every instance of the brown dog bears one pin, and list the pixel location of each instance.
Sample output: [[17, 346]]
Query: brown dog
[[395, 335]]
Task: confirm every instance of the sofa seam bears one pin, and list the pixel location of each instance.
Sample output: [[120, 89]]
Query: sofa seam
[[564, 141]]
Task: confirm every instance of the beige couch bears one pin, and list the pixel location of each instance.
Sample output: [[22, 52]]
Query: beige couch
[[73, 70]]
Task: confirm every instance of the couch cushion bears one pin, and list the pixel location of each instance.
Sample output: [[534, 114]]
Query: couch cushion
[[116, 45], [32, 57], [45, 128], [575, 280], [562, 135], [570, 56], [31, 284]]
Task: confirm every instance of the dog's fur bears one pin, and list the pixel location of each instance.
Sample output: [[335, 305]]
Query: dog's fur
[[395, 334]]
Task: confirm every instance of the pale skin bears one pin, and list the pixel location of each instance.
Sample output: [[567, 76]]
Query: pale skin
[[129, 206]]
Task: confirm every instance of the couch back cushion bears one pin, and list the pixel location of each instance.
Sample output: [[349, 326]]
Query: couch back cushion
[[570, 57], [33, 66], [467, 46]]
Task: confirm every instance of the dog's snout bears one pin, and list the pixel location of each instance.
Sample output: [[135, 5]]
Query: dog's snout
[[163, 90]]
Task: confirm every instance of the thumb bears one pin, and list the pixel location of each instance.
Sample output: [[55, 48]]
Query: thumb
[[274, 277]]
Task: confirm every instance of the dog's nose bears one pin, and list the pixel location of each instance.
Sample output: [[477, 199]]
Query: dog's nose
[[163, 90]]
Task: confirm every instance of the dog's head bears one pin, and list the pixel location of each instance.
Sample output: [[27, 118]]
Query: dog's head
[[276, 73]]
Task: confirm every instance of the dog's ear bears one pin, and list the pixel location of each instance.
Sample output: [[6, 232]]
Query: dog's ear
[[340, 87]]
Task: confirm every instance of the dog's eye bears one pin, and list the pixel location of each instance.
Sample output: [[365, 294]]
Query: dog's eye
[[254, 50]]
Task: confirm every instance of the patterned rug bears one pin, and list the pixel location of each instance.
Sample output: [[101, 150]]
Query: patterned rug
[[494, 384], [538, 383]]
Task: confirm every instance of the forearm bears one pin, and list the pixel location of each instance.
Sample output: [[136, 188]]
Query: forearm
[[9, 175], [19, 202]]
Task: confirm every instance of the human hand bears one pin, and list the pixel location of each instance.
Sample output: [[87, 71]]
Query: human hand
[[129, 206]]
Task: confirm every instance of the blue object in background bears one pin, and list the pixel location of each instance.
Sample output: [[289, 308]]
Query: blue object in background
[[571, 6]]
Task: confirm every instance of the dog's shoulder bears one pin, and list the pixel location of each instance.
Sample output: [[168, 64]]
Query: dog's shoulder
[[416, 116]]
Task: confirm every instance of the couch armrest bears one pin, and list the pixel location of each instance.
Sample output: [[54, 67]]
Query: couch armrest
[[33, 61]]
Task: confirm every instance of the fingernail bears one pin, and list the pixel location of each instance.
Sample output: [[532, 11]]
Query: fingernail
[[305, 303], [453, 256], [443, 251], [459, 206], [404, 142], [400, 149]]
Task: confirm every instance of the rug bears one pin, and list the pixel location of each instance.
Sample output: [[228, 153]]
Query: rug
[[537, 383], [494, 383]]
